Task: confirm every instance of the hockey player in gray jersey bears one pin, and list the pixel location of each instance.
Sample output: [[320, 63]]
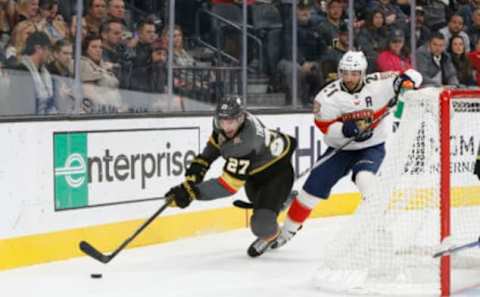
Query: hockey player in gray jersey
[[256, 157]]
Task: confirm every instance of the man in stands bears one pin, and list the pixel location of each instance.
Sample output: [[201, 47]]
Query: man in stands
[[144, 41], [329, 61], [455, 27], [33, 60], [95, 17], [434, 64]]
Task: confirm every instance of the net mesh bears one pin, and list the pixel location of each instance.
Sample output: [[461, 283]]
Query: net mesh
[[387, 246]]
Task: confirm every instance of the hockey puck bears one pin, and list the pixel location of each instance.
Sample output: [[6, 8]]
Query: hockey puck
[[96, 275]]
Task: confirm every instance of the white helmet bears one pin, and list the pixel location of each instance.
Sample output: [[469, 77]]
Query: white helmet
[[353, 61]]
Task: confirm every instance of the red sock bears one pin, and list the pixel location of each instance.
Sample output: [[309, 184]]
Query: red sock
[[298, 212]]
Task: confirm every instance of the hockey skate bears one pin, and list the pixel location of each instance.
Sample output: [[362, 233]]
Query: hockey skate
[[260, 246], [284, 236]]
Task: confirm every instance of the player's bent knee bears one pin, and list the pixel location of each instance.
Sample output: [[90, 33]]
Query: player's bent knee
[[366, 183], [264, 223]]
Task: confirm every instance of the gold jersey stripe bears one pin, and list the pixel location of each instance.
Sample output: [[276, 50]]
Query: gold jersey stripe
[[231, 181], [212, 141], [271, 162]]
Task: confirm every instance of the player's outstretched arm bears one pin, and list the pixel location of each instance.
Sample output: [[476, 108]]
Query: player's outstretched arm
[[409, 80], [225, 185]]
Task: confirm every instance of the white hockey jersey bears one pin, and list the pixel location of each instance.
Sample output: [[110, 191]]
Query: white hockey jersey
[[333, 101]]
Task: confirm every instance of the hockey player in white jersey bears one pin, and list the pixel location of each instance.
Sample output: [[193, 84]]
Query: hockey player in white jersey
[[350, 107]]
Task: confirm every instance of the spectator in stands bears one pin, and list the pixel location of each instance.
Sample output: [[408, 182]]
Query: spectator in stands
[[34, 58], [114, 49], [422, 32], [474, 57], [67, 8], [396, 57], [7, 10], [30, 22], [116, 10], [473, 31], [25, 10], [456, 49], [434, 64], [96, 14], [191, 76], [328, 29], [466, 11], [331, 58], [436, 13], [182, 58], [61, 67], [62, 63], [143, 47], [55, 26], [309, 50], [317, 12], [99, 83], [393, 15], [152, 78], [373, 37], [455, 27]]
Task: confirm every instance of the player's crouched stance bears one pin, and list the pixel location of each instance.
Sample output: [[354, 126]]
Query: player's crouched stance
[[351, 107], [256, 157]]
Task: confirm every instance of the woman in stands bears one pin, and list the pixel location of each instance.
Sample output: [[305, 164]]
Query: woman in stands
[[396, 56], [100, 85], [456, 49], [373, 38]]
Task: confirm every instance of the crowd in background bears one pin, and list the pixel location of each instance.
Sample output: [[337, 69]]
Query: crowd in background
[[124, 46]]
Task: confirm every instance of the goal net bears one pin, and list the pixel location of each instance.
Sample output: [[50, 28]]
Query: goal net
[[426, 199]]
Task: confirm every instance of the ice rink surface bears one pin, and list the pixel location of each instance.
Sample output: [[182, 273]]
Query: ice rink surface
[[203, 266]]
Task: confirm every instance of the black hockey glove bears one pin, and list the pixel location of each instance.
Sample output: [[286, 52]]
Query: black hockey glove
[[183, 194], [197, 170], [476, 171]]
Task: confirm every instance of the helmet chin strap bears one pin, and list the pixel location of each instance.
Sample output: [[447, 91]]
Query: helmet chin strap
[[357, 88], [240, 127]]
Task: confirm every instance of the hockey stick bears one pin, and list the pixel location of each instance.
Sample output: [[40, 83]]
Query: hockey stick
[[457, 249], [91, 251], [248, 205]]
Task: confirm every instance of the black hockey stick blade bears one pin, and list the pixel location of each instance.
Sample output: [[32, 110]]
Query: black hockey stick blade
[[89, 250], [248, 205], [242, 204]]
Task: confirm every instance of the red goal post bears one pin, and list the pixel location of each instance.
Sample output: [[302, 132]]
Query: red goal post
[[446, 101]]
